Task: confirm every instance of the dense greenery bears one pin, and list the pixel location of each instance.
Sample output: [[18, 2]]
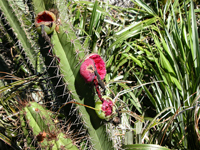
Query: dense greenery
[[152, 56]]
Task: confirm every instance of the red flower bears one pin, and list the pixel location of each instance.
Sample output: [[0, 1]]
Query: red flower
[[105, 109], [93, 62], [87, 70]]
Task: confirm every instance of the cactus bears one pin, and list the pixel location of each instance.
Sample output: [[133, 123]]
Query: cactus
[[44, 130], [45, 52], [65, 47], [60, 51]]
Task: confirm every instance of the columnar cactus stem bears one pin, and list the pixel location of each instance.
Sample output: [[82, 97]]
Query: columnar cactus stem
[[12, 21], [43, 128], [65, 47]]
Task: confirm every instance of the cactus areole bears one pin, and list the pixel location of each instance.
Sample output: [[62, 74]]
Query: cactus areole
[[46, 20]]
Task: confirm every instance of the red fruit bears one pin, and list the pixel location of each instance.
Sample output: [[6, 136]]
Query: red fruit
[[93, 62], [105, 109], [87, 70], [99, 64], [45, 16]]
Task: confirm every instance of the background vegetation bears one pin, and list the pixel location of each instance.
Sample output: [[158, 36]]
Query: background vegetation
[[152, 55]]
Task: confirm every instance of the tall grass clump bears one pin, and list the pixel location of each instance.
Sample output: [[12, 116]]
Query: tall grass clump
[[173, 57]]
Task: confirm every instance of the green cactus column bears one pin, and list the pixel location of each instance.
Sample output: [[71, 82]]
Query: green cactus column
[[69, 54], [39, 121]]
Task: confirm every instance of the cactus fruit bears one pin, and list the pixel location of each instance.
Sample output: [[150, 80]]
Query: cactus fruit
[[93, 70], [99, 65], [43, 128], [105, 109], [46, 20], [87, 70], [93, 63]]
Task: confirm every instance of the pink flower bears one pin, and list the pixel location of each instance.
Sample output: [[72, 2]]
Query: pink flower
[[107, 107], [87, 70], [100, 65], [93, 62]]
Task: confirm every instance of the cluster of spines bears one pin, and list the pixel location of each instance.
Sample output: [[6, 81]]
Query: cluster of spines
[[21, 37]]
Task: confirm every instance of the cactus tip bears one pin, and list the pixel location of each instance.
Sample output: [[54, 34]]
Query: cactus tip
[[46, 19]]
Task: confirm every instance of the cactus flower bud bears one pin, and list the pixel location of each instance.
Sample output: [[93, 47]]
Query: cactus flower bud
[[46, 19], [105, 109]]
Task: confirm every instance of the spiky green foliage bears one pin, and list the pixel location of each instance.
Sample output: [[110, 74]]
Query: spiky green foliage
[[15, 24], [145, 147]]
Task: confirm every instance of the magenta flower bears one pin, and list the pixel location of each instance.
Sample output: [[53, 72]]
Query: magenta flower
[[87, 70], [105, 109], [93, 62]]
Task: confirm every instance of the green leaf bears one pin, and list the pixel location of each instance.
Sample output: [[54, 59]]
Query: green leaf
[[132, 30], [144, 147], [194, 40], [9, 142]]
